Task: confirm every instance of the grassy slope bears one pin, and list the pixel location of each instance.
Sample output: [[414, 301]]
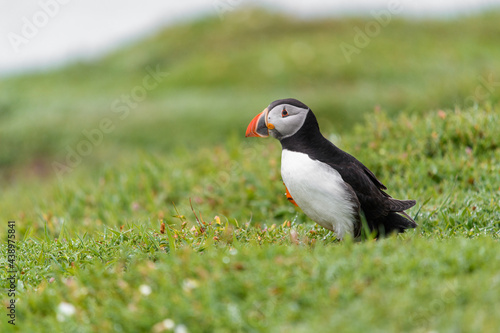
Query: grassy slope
[[235, 67], [442, 276]]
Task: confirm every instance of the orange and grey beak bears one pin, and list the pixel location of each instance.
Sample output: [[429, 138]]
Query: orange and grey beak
[[258, 126]]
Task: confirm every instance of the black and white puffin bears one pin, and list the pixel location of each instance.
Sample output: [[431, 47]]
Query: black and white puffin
[[330, 186]]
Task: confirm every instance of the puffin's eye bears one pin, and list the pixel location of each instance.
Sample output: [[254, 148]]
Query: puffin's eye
[[284, 113]]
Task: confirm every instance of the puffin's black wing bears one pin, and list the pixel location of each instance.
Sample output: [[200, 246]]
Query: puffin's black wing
[[372, 199], [383, 213], [372, 177], [374, 202]]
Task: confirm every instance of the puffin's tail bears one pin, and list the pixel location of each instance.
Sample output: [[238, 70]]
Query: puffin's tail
[[397, 222]]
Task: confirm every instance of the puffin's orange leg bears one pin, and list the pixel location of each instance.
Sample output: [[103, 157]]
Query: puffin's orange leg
[[289, 196]]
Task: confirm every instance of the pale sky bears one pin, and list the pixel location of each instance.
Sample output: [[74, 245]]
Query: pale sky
[[36, 34]]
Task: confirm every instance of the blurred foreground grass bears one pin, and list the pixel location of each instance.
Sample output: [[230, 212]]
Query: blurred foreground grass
[[92, 252], [124, 281]]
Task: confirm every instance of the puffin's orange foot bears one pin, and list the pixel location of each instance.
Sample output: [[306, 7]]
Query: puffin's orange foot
[[289, 196]]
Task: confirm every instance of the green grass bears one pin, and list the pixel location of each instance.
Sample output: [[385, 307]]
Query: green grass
[[225, 71], [233, 254], [242, 284], [94, 242]]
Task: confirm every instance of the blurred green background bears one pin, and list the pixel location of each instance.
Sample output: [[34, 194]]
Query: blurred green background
[[222, 72], [212, 77]]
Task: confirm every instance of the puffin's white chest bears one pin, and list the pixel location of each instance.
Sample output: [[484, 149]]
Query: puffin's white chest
[[320, 192]]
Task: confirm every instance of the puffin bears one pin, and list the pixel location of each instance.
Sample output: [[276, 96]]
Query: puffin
[[331, 187]]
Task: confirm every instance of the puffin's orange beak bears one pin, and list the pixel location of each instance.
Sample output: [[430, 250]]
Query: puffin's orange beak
[[258, 126]]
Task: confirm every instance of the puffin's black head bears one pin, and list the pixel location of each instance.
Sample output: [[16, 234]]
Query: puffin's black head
[[281, 119]]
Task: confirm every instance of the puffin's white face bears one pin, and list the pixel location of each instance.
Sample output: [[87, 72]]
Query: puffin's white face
[[285, 120], [280, 120]]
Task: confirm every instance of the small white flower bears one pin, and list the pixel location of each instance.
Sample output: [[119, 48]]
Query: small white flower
[[145, 289], [181, 329], [189, 284], [65, 310], [168, 324]]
